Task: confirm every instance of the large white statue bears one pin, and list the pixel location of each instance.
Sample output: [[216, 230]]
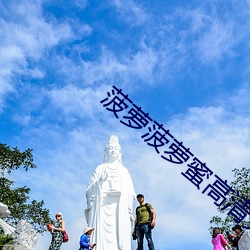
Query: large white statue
[[244, 242], [110, 198]]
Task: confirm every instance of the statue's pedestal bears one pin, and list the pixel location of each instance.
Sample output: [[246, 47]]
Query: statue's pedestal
[[13, 247]]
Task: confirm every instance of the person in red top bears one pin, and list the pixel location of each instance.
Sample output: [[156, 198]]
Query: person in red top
[[218, 240]]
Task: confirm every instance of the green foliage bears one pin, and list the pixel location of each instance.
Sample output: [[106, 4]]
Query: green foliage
[[17, 199], [6, 240], [11, 159], [241, 184]]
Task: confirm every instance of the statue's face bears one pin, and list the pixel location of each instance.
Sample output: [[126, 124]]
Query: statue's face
[[114, 150]]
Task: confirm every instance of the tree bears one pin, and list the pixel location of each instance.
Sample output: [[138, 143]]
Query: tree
[[17, 199], [11, 159], [241, 186]]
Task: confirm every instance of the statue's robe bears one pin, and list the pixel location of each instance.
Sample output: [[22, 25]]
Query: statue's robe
[[110, 197]]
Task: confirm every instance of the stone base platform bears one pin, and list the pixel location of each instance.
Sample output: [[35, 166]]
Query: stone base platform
[[12, 247]]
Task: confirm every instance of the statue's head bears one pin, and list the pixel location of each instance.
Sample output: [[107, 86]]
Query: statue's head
[[113, 150], [4, 211]]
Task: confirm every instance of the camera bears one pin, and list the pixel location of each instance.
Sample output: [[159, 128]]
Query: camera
[[134, 235]]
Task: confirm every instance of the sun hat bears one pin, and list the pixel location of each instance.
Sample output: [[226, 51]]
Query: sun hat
[[59, 213], [87, 229]]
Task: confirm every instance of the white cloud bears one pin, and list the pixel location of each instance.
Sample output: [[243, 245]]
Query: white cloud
[[215, 129], [240, 100], [143, 64], [68, 160], [78, 102], [198, 32], [131, 12], [80, 3], [32, 33], [198, 19], [26, 35], [217, 42], [105, 69], [125, 70]]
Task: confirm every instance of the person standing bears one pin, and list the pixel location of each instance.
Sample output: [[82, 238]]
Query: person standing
[[243, 238], [143, 225], [239, 231], [56, 231], [232, 239], [218, 240], [85, 239]]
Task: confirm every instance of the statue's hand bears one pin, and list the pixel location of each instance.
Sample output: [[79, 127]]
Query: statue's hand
[[90, 201], [104, 175], [132, 217], [90, 204]]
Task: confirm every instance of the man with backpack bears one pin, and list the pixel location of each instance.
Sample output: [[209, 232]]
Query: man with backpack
[[144, 223]]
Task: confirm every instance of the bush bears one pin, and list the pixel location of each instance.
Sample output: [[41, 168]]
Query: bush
[[6, 240]]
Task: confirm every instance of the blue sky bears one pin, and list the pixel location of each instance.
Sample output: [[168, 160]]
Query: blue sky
[[186, 63]]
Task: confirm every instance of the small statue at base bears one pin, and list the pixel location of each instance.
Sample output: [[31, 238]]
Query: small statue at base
[[23, 234]]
